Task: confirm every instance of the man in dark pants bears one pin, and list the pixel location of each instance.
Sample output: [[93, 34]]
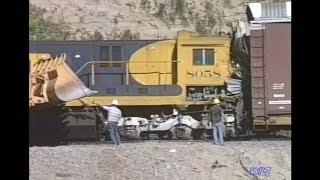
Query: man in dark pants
[[114, 115], [217, 124]]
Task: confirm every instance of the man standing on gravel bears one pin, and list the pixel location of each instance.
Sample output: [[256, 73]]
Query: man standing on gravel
[[217, 126], [114, 115]]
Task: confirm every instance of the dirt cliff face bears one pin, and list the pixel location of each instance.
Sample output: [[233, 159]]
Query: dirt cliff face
[[143, 19]]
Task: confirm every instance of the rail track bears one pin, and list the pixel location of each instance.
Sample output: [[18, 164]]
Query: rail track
[[254, 137]]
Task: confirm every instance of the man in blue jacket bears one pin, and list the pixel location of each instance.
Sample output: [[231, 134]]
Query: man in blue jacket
[[215, 116]]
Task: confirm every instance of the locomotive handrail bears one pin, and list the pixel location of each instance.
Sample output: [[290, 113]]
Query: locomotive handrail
[[120, 62], [92, 63]]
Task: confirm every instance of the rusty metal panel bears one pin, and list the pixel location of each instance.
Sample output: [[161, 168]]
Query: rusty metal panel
[[256, 52], [256, 42], [277, 60], [258, 103], [258, 112], [257, 82], [256, 62], [258, 107], [257, 72], [256, 33], [257, 92]]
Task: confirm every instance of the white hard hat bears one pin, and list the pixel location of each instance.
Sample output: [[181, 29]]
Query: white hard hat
[[216, 101], [115, 102], [175, 112]]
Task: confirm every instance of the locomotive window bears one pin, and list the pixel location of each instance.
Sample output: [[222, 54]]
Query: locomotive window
[[209, 57], [197, 57], [110, 53], [116, 53], [203, 57], [104, 53]]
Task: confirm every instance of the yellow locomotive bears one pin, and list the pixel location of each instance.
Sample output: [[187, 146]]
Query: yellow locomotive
[[183, 74], [180, 68]]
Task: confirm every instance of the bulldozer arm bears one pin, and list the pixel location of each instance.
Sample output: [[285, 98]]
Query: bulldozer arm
[[51, 80]]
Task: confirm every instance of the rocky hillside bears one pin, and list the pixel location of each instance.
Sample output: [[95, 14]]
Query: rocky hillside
[[131, 19]]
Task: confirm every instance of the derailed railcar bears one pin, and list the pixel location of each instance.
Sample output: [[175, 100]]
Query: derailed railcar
[[267, 63]]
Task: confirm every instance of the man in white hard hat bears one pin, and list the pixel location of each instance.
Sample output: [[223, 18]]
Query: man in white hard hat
[[217, 124], [114, 114], [175, 112]]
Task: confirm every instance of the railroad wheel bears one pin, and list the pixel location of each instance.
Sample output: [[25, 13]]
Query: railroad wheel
[[144, 135], [183, 132], [198, 134], [229, 132], [165, 135]]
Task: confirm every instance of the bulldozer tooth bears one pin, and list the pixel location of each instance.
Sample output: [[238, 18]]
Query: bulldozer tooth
[[59, 83], [68, 86]]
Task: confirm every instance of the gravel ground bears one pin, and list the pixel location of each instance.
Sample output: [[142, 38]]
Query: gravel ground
[[161, 160]]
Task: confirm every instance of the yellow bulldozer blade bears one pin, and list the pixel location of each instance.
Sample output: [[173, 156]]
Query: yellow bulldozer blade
[[52, 81]]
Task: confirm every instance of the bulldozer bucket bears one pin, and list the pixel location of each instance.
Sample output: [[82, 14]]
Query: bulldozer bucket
[[52, 81]]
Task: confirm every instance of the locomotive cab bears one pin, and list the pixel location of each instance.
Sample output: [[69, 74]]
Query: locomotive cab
[[205, 65]]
